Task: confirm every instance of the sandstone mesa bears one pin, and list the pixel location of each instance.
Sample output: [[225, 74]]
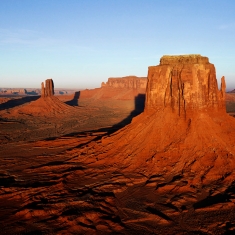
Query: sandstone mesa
[[184, 83], [130, 82]]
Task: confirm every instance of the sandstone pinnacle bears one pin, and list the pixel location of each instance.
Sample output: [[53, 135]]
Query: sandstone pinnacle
[[48, 89]]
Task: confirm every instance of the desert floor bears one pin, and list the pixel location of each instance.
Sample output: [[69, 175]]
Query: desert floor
[[51, 184]]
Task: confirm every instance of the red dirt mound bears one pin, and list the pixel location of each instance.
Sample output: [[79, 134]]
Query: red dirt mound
[[50, 105]]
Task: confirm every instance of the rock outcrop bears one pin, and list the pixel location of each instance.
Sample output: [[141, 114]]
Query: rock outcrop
[[131, 82], [184, 83], [124, 88], [48, 89], [46, 105], [184, 133], [12, 91]]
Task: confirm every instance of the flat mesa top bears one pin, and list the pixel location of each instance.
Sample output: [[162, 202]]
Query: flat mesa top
[[184, 59]]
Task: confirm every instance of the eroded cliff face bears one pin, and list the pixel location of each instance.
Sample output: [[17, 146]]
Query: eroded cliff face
[[48, 89], [124, 88], [131, 82], [184, 84]]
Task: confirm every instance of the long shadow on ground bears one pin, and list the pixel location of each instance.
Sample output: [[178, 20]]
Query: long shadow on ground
[[74, 101], [18, 101], [139, 108], [106, 131]]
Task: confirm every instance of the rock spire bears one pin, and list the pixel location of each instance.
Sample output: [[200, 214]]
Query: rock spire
[[48, 89]]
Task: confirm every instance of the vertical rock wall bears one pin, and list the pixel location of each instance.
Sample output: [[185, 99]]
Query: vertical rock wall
[[184, 83], [130, 82], [48, 89]]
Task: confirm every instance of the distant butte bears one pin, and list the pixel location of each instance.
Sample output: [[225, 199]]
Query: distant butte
[[119, 88], [46, 105], [131, 82]]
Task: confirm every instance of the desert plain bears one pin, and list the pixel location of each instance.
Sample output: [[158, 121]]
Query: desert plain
[[152, 155]]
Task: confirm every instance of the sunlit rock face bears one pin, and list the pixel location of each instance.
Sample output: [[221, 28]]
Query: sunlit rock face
[[131, 82], [48, 89], [184, 83]]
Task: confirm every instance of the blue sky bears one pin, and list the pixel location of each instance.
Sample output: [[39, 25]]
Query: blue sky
[[80, 43]]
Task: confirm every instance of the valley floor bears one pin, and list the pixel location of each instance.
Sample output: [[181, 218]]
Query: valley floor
[[52, 183]]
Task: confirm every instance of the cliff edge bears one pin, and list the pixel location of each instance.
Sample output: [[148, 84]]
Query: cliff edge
[[185, 84]]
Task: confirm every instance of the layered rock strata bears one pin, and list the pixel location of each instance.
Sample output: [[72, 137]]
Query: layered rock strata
[[184, 83], [130, 82], [48, 89]]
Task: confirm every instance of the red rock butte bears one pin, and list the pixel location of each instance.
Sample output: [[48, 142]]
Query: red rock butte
[[131, 82], [184, 127], [184, 83], [48, 89], [119, 88], [46, 105]]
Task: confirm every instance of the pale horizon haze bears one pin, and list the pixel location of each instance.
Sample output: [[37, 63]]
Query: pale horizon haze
[[81, 43]]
